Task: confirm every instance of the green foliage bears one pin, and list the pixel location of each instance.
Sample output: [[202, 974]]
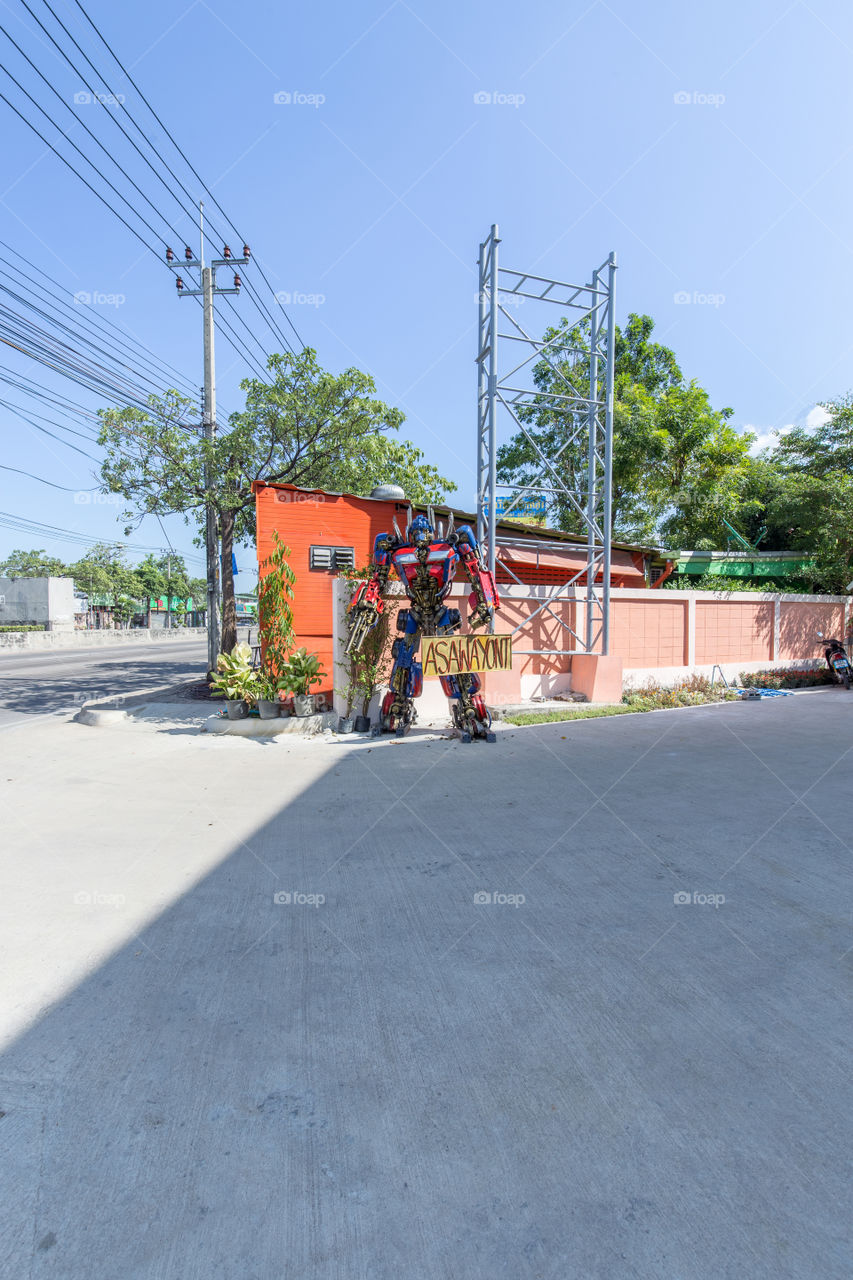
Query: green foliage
[[275, 615], [722, 585], [32, 564], [694, 691], [301, 671], [235, 678], [301, 425], [37, 627], [670, 448], [787, 678]]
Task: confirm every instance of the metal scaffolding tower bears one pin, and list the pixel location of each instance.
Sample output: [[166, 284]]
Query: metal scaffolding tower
[[585, 400]]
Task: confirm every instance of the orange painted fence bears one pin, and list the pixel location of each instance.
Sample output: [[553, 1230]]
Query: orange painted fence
[[657, 635]]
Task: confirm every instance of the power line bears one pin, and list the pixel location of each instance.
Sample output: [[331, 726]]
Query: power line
[[98, 324], [41, 479], [187, 161]]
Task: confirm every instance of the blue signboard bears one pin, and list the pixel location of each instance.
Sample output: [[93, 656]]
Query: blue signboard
[[532, 508]]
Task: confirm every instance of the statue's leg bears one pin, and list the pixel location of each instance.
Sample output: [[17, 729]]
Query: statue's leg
[[406, 681], [467, 707]]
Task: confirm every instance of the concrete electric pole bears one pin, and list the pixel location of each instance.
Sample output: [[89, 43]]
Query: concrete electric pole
[[208, 291]]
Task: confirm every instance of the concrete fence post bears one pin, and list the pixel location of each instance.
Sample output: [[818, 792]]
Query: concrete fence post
[[776, 639], [690, 647]]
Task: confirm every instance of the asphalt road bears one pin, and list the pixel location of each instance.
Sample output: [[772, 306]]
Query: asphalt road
[[35, 684], [571, 1006]]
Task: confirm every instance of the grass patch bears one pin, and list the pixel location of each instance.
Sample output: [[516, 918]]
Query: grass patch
[[692, 692], [576, 713]]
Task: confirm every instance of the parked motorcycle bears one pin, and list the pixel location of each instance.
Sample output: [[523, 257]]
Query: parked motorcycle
[[837, 660]]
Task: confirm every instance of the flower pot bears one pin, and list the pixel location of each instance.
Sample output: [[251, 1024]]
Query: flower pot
[[345, 724], [303, 704], [362, 724], [269, 708], [236, 708]]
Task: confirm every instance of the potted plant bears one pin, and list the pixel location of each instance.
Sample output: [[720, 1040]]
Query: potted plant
[[301, 670], [266, 691], [236, 681]]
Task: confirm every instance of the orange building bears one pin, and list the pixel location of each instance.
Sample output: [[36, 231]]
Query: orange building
[[327, 532]]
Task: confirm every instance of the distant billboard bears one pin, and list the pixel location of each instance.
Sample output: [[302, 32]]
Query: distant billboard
[[530, 508]]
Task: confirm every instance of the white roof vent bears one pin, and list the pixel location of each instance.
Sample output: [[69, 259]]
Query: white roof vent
[[391, 492]]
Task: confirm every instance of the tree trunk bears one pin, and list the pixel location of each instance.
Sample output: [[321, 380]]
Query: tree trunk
[[229, 604]]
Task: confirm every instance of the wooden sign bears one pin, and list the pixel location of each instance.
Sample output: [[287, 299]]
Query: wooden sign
[[453, 655]]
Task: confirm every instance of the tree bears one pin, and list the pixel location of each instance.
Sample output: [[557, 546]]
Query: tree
[[32, 564], [814, 499], [670, 447], [103, 571], [302, 425]]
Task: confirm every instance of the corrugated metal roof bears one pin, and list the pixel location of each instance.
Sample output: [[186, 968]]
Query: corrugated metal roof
[[506, 528]]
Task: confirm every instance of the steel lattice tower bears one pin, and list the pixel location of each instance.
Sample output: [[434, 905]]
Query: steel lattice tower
[[506, 392]]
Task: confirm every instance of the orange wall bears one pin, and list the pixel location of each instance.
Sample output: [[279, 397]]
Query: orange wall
[[739, 631], [304, 519], [799, 624], [649, 633]]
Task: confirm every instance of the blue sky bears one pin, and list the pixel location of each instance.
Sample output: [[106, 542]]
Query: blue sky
[[709, 146]]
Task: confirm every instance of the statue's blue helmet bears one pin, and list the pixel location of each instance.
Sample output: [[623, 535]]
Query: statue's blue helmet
[[420, 530]]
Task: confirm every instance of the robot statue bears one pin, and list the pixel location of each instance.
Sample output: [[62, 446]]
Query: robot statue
[[425, 560]]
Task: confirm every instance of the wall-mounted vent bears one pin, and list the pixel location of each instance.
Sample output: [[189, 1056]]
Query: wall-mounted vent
[[331, 558]]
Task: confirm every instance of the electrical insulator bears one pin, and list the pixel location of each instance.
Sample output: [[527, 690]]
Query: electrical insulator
[[180, 284], [188, 254], [226, 252], [246, 251], [170, 257], [237, 281]]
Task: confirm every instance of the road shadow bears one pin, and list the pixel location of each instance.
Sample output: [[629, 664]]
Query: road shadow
[[101, 682], [420, 1075]]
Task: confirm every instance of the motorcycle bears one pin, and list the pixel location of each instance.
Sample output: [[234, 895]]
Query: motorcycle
[[837, 660]]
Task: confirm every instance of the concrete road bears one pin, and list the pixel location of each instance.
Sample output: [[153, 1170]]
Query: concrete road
[[33, 684], [569, 1007]]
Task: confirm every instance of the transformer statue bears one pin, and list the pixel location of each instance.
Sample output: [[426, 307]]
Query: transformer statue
[[425, 560]]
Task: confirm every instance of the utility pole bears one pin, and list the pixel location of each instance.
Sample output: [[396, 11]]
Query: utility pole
[[208, 291]]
